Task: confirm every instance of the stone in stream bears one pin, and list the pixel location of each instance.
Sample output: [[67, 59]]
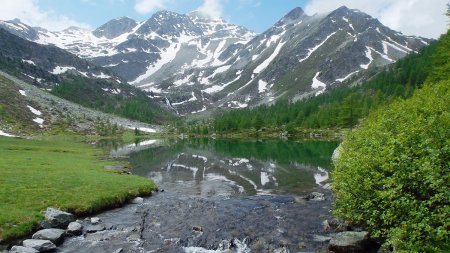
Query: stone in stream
[[351, 242], [58, 218], [95, 220], [74, 228], [22, 249], [95, 228], [54, 235], [137, 200], [39, 245], [315, 196]]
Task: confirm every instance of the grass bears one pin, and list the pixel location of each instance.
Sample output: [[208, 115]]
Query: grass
[[36, 174]]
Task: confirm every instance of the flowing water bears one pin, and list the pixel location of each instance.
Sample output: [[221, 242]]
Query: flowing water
[[219, 196]]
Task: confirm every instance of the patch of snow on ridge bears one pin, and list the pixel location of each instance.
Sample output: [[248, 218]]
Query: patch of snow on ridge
[[262, 86], [166, 56], [317, 84], [369, 56], [6, 134], [61, 70], [266, 63], [40, 121], [29, 62], [34, 111], [102, 76], [346, 77], [23, 93], [312, 50]]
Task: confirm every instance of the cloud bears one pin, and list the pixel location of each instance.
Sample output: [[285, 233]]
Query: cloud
[[211, 9], [29, 12], [147, 6], [411, 17]]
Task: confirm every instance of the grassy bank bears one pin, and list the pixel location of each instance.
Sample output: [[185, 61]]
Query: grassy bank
[[36, 174]]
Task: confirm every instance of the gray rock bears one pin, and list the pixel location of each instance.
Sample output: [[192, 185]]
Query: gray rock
[[336, 225], [52, 234], [22, 249], [95, 228], [350, 242], [75, 228], [137, 200], [95, 220], [58, 218], [118, 251], [39, 245], [315, 196]]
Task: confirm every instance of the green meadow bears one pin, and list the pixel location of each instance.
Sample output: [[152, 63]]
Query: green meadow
[[70, 175]]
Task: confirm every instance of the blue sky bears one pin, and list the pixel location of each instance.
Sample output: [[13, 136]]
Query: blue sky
[[412, 17], [255, 15]]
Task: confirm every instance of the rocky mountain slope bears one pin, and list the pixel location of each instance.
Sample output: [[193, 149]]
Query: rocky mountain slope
[[196, 64], [78, 80], [25, 109]]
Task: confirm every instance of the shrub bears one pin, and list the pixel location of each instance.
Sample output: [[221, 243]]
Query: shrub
[[393, 172]]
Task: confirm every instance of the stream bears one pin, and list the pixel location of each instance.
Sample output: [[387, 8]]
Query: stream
[[219, 196]]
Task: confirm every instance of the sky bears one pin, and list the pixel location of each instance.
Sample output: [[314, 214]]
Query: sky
[[412, 17]]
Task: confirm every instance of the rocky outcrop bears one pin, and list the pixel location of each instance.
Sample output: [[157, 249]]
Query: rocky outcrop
[[58, 218], [351, 242], [39, 245]]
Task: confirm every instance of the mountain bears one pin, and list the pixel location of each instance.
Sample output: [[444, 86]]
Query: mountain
[[65, 75], [198, 64]]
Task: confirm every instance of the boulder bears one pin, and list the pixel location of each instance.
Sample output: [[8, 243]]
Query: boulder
[[74, 228], [350, 242], [39, 245], [95, 220], [22, 249], [137, 200], [54, 235], [58, 218]]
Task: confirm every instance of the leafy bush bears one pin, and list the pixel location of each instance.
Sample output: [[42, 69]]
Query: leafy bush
[[393, 172]]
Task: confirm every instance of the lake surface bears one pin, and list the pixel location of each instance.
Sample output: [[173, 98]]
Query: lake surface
[[219, 196]]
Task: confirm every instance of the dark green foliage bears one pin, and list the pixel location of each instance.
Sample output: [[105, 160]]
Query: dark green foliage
[[341, 107], [393, 173]]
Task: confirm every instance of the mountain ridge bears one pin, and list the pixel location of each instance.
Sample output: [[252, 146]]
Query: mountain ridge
[[199, 64]]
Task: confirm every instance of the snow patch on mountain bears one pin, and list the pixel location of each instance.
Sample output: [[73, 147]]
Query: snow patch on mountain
[[61, 70], [317, 84], [266, 62], [312, 50]]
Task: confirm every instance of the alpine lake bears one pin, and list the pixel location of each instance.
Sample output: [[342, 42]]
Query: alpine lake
[[219, 195]]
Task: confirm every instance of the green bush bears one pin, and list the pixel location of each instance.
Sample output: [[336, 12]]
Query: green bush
[[393, 172]]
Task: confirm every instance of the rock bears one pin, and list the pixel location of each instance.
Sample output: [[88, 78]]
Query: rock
[[95, 220], [75, 228], [315, 196], [44, 224], [336, 225], [118, 250], [321, 238], [58, 218], [197, 228], [137, 200], [54, 235], [39, 245], [350, 242], [22, 249], [95, 228]]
